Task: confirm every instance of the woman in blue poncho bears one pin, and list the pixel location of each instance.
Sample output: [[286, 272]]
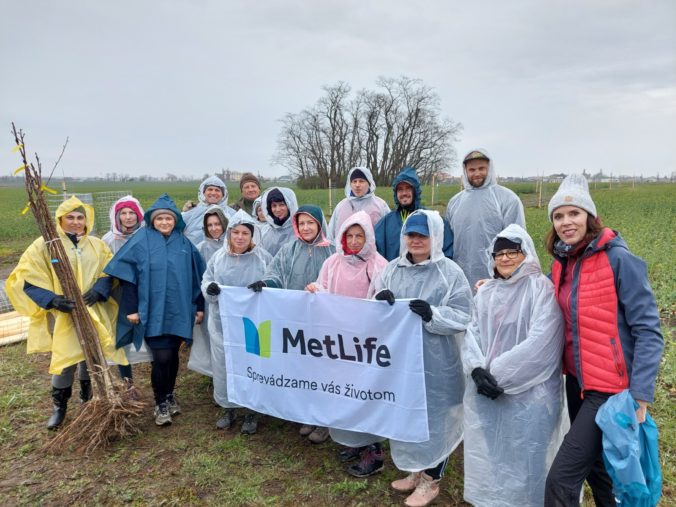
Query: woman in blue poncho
[[160, 271]]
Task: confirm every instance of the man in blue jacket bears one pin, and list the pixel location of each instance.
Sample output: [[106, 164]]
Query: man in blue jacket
[[407, 192]]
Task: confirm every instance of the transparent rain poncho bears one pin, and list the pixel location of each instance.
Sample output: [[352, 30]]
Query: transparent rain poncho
[[517, 335], [298, 263], [235, 270], [441, 283], [374, 206], [353, 276], [200, 352], [193, 217], [115, 238], [476, 216], [276, 236]]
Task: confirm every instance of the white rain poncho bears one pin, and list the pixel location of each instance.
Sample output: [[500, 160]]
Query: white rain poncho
[[298, 263], [115, 238], [235, 270], [374, 206], [276, 236], [517, 335], [353, 276], [476, 216], [193, 217], [441, 283], [200, 351]]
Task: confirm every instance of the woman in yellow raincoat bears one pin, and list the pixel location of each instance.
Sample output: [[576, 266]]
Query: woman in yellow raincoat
[[35, 292]]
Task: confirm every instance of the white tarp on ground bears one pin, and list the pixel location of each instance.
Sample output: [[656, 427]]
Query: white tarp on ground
[[327, 360]]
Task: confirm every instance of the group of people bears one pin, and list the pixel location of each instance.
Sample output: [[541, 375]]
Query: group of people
[[500, 339]]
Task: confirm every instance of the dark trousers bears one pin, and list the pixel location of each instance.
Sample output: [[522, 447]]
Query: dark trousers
[[436, 472], [164, 371], [580, 455]]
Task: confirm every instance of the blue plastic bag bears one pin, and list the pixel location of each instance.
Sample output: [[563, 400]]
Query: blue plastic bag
[[630, 452]]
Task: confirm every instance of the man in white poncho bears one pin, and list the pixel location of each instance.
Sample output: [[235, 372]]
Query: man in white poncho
[[478, 213], [512, 349], [212, 191], [443, 300]]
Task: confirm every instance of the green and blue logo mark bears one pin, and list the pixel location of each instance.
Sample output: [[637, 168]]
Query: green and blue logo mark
[[257, 339]]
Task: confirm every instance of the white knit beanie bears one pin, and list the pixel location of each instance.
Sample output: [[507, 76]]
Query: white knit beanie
[[573, 191]]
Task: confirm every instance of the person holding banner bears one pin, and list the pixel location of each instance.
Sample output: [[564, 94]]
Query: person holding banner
[[512, 351], [241, 261], [297, 264], [278, 205], [160, 271], [351, 272], [443, 299]]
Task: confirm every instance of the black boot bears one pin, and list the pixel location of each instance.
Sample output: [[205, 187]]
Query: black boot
[[60, 398], [85, 390]]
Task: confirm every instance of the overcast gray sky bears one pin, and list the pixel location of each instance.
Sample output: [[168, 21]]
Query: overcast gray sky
[[189, 87]]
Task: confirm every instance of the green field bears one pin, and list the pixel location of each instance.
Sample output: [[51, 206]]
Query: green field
[[191, 463]]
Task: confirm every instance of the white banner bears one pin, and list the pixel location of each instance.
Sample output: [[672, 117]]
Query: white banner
[[326, 360]]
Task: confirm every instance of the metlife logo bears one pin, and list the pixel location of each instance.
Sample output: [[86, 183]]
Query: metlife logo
[[257, 338]]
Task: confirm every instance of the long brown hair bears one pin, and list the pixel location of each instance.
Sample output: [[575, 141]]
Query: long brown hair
[[594, 228]]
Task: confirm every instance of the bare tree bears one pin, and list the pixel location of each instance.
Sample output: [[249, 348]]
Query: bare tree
[[399, 124]]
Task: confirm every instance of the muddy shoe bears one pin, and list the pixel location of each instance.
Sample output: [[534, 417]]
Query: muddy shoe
[[174, 407], [162, 415], [250, 424], [306, 429], [60, 398], [407, 484], [349, 453], [426, 491], [371, 462], [319, 435], [227, 419]]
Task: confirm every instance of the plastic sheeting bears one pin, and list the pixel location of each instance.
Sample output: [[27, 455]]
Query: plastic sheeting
[[298, 263], [476, 216], [236, 270], [374, 206], [517, 334], [276, 236], [193, 217], [441, 283]]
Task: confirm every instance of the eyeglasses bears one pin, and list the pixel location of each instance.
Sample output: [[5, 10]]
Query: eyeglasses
[[510, 254]]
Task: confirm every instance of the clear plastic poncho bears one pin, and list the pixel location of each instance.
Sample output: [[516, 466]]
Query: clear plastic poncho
[[298, 263], [375, 207], [235, 270], [476, 216], [441, 283], [115, 238], [276, 236], [193, 218], [200, 352], [517, 334]]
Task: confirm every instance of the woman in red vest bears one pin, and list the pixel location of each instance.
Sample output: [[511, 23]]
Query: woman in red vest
[[613, 337]]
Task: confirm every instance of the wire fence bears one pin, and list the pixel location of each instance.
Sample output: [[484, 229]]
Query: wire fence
[[5, 305], [100, 201]]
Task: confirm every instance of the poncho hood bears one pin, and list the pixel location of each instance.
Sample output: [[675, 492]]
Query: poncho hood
[[316, 213], [125, 202], [164, 202], [71, 204], [289, 199], [369, 178], [529, 266], [436, 227], [491, 177], [410, 176], [362, 219], [241, 218], [214, 209], [213, 181]]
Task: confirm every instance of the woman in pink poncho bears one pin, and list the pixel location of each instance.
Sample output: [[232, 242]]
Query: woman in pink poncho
[[350, 272]]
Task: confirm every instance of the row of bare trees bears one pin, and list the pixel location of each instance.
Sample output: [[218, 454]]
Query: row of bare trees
[[397, 124]]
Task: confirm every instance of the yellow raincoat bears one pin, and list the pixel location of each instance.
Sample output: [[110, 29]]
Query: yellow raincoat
[[35, 267]]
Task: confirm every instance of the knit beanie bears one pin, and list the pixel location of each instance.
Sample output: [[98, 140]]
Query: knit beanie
[[161, 211], [358, 173], [246, 177], [573, 191]]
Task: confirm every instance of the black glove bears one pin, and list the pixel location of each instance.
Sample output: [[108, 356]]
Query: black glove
[[63, 304], [213, 289], [486, 383], [386, 295], [91, 297], [422, 308], [256, 286]]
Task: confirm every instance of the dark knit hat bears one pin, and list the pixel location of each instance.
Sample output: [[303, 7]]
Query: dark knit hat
[[246, 177], [358, 173], [505, 244]]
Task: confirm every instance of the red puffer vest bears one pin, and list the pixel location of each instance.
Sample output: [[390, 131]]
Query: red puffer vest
[[597, 348]]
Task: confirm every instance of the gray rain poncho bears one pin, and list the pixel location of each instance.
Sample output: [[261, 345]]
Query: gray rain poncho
[[374, 206], [234, 270], [517, 334], [441, 283], [298, 263], [276, 236], [193, 217], [476, 216], [200, 352]]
